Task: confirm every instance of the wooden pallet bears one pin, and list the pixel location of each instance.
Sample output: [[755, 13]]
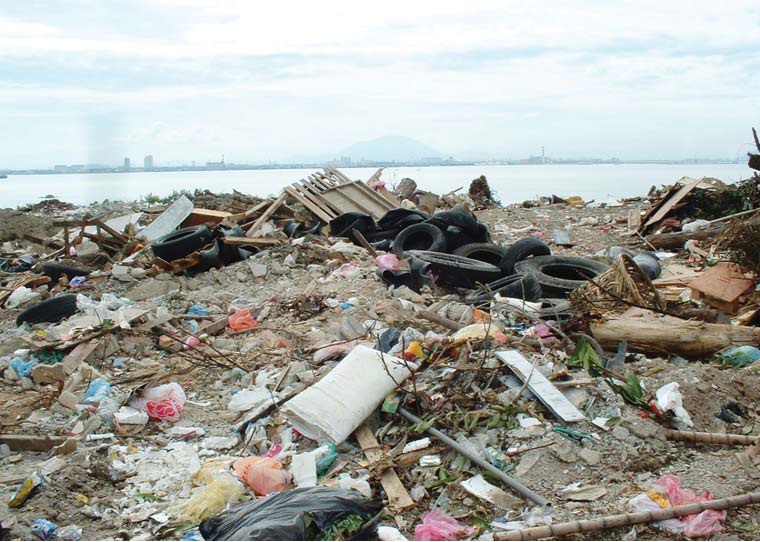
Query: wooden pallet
[[329, 194]]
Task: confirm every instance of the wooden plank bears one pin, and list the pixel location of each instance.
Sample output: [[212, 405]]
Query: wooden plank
[[540, 386], [314, 195], [398, 497], [200, 216], [79, 354], [250, 212], [31, 443], [267, 215], [311, 201], [671, 200], [237, 241], [309, 205], [316, 181], [373, 195]]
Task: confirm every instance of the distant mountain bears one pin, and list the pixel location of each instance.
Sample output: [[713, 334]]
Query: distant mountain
[[390, 148]]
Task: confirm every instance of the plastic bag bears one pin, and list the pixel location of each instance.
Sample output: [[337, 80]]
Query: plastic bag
[[20, 295], [263, 475], [387, 261], [667, 493], [210, 499], [739, 356], [242, 320], [438, 526], [670, 399], [162, 402], [283, 516], [22, 367]]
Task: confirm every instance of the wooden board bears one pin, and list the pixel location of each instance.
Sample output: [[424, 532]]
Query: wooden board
[[658, 212], [204, 216], [398, 497], [262, 241], [540, 386], [357, 197], [267, 215], [721, 286]]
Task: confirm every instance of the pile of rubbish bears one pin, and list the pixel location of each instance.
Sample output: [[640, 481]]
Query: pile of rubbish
[[345, 361]]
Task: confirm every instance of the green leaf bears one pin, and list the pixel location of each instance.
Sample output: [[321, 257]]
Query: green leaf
[[585, 357]]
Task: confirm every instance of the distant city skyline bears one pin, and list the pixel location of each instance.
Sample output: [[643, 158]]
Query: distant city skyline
[[88, 82]]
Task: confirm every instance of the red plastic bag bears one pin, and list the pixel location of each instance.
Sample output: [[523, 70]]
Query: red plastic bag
[[263, 475], [698, 525], [438, 526], [242, 320], [162, 402]]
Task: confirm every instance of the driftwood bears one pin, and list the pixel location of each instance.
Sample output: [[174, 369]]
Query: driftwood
[[674, 241], [623, 520], [651, 334]]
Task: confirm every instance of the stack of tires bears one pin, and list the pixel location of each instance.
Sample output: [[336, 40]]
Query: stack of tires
[[456, 249], [212, 249]]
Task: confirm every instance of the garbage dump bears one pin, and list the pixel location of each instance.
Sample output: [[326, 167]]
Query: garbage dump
[[344, 360]]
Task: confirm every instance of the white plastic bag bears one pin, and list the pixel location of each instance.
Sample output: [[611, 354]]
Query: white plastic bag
[[669, 398], [20, 295]]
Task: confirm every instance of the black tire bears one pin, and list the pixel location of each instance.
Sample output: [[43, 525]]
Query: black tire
[[400, 218], [419, 237], [381, 235], [484, 252], [456, 238], [341, 225], [559, 275], [457, 271], [520, 250], [56, 270], [51, 310], [180, 243], [524, 287], [649, 264], [459, 217]]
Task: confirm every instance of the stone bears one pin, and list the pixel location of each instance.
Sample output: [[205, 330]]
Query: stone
[[258, 269], [242, 277], [566, 451], [621, 433], [644, 428], [151, 288], [44, 373], [122, 273], [577, 396], [138, 272], [26, 383], [592, 457]]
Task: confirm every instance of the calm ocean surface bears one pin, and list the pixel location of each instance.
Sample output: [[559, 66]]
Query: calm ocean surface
[[512, 183]]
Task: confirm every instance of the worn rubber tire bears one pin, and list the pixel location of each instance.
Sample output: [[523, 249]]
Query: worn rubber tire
[[524, 287], [341, 225], [457, 271], [520, 250], [459, 217], [484, 252], [400, 218], [456, 238], [649, 264], [180, 243], [421, 236], [559, 275], [51, 310], [56, 270]]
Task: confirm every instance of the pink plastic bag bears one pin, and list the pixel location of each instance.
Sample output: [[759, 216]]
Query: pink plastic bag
[[698, 525], [263, 475], [242, 320], [438, 526], [162, 402], [387, 261]]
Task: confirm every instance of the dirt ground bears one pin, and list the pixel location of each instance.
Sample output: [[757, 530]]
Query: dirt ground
[[625, 460]]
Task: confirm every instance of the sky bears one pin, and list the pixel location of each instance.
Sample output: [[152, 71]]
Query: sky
[[92, 81]]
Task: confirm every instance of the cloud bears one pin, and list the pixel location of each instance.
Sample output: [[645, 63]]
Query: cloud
[[267, 82]]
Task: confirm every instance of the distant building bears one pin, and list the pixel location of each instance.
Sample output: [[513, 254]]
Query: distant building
[[127, 163], [60, 168], [216, 165], [148, 162]]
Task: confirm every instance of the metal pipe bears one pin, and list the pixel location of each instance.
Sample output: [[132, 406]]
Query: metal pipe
[[511, 482]]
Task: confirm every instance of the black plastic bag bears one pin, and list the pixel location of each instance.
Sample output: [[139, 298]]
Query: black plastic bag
[[283, 516]]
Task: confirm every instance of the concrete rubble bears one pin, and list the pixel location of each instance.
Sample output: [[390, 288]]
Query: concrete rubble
[[465, 375]]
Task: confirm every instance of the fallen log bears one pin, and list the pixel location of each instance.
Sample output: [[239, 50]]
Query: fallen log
[[623, 520], [675, 241], [650, 334]]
